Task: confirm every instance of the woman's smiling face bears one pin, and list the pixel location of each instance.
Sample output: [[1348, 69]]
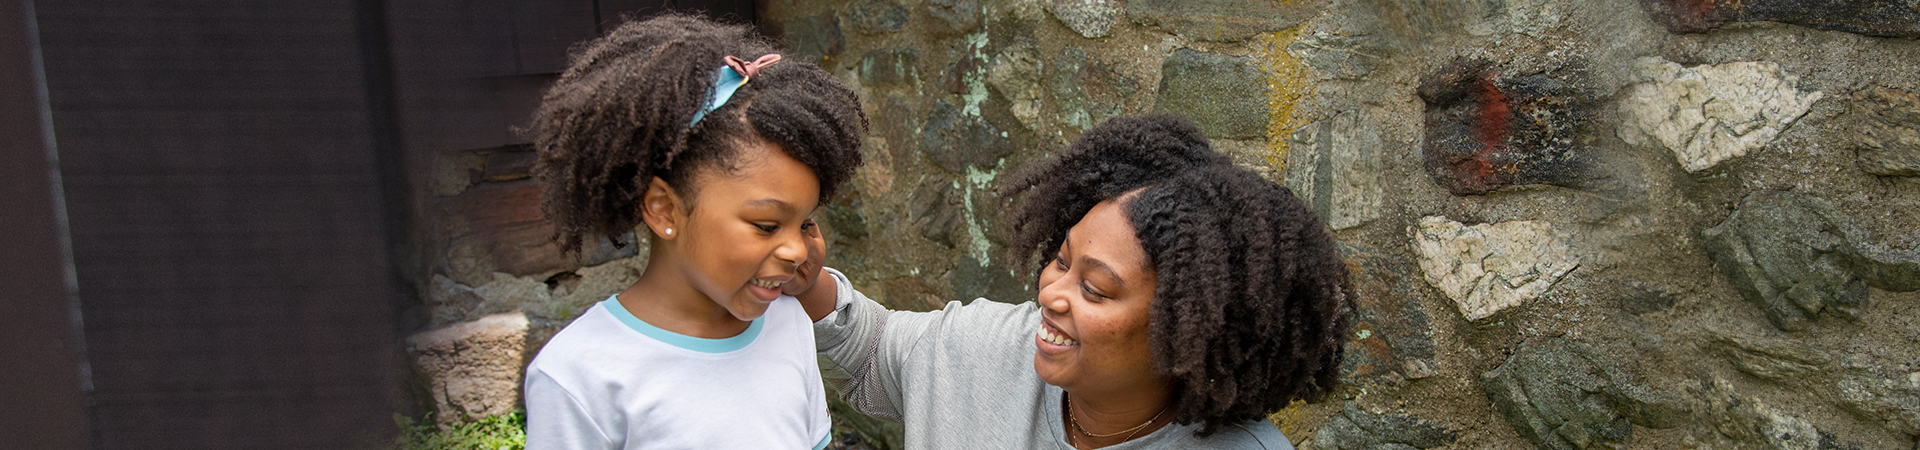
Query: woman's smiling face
[[1095, 297]]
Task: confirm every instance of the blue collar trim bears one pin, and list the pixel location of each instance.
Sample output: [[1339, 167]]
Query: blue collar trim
[[702, 345]]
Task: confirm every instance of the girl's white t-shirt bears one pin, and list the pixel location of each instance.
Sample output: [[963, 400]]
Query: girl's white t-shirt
[[611, 381]]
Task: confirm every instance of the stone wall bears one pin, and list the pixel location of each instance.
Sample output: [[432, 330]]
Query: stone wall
[[1572, 223], [1575, 224]]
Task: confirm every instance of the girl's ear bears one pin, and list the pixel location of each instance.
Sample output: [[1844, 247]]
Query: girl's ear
[[661, 209]]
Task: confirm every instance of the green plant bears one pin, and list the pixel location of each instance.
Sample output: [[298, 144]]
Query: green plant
[[501, 432]]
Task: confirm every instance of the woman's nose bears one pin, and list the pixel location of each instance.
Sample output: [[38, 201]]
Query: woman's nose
[[1053, 296]]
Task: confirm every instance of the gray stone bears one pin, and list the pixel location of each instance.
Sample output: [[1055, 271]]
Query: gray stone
[[1357, 429], [955, 141], [1710, 113], [1888, 129], [1338, 56], [1564, 395], [1772, 359], [1222, 20], [812, 38], [1871, 18], [953, 16], [889, 67], [875, 16], [1489, 267], [1089, 92], [1225, 95], [1335, 165], [1016, 73], [935, 210], [1641, 298], [1894, 402], [1090, 18], [473, 369], [1735, 420], [1791, 256], [1390, 332]]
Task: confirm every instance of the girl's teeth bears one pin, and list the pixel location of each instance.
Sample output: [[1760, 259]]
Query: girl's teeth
[[765, 283], [1055, 338]]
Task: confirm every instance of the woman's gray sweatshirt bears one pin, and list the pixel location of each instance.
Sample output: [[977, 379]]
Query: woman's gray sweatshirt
[[962, 378]]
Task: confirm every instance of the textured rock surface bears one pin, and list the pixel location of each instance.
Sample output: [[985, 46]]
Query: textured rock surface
[[1489, 267], [953, 16], [1707, 114], [889, 67], [1015, 74], [813, 38], [1772, 359], [1888, 130], [473, 369], [1226, 95], [1734, 420], [1872, 18], [1392, 337], [1565, 395], [955, 141], [1356, 429], [1892, 400], [1335, 166], [1090, 18], [1338, 56], [1791, 256], [1089, 91], [498, 227], [1221, 20], [559, 297], [1486, 131], [875, 16]]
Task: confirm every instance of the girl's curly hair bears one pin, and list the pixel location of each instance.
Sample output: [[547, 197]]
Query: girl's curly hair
[[1250, 307], [619, 116]]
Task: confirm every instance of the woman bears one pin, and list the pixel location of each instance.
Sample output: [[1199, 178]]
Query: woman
[[1182, 301]]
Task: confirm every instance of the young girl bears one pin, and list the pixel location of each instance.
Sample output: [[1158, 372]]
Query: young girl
[[698, 131]]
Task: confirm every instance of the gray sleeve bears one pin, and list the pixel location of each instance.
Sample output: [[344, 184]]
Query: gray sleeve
[[850, 338]]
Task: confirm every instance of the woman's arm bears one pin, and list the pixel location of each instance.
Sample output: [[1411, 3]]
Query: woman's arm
[[851, 335]]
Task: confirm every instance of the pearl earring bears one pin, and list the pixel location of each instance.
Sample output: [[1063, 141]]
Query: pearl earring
[[669, 232]]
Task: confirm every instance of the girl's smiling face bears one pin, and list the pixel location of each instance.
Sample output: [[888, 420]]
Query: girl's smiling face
[[1095, 297], [743, 235]]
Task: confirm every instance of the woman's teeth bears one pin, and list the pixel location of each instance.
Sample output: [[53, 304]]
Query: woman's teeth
[[1055, 338], [765, 283]]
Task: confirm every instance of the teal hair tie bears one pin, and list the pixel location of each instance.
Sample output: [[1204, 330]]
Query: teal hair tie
[[728, 80]]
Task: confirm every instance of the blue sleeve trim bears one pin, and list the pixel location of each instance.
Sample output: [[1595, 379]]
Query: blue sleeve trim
[[824, 441]]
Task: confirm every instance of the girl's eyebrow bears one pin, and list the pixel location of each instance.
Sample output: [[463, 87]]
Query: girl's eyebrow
[[775, 203]]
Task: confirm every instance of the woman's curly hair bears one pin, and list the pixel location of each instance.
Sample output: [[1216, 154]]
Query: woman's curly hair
[[620, 115], [1249, 309]]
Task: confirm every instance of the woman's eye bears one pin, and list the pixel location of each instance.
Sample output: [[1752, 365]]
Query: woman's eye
[[808, 227], [1060, 262], [1090, 292], [767, 228]]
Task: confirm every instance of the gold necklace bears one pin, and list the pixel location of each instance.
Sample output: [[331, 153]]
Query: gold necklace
[[1068, 398]]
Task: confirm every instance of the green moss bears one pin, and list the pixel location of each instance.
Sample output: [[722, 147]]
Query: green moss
[[501, 432]]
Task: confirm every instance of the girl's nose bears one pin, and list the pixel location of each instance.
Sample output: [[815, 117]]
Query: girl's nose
[[793, 249]]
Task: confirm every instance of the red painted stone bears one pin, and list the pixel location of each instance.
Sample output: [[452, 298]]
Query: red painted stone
[[1486, 131]]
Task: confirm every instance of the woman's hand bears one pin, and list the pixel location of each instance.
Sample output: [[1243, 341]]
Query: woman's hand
[[809, 284]]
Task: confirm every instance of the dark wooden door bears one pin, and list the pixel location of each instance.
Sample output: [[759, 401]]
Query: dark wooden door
[[223, 171]]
